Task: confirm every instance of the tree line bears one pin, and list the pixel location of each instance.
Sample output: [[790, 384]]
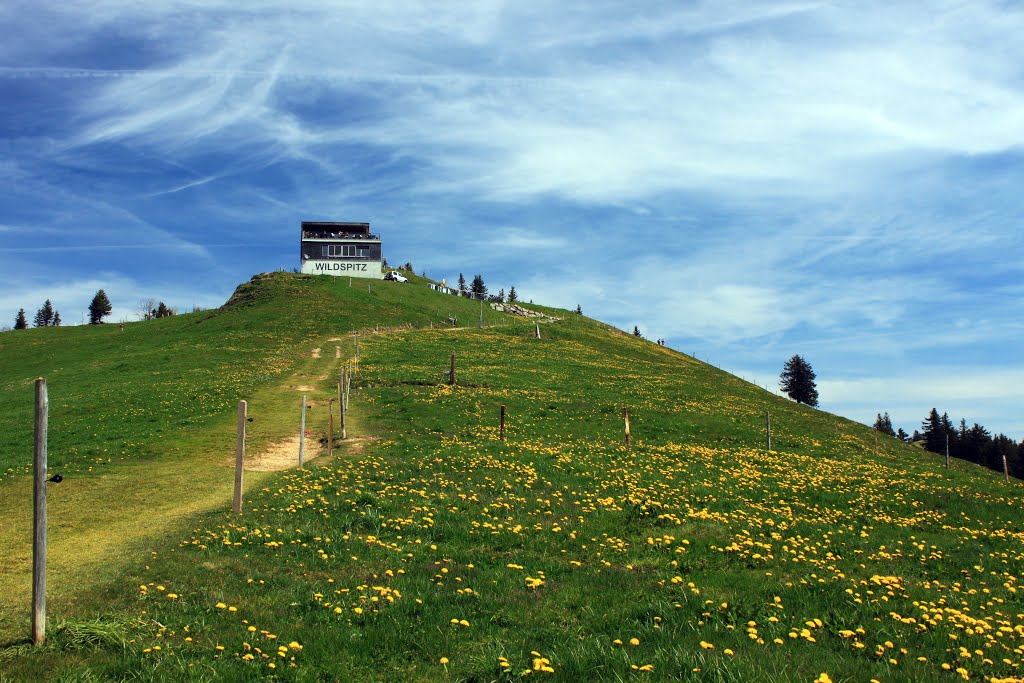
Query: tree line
[[47, 316], [99, 308], [971, 443], [478, 290]]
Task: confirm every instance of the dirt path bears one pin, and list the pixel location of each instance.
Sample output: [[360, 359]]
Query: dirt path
[[105, 521], [281, 455]]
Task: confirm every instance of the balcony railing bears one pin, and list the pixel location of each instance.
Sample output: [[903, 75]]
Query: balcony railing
[[309, 235], [310, 257]]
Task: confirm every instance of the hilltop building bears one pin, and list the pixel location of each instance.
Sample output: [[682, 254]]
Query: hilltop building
[[348, 249]]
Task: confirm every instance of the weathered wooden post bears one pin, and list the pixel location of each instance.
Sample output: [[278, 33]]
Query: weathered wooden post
[[481, 313], [876, 442], [240, 455], [947, 451], [1006, 470], [625, 416], [355, 335], [330, 427], [348, 385], [501, 434], [768, 429], [39, 516], [536, 330], [302, 431], [341, 409], [451, 373]]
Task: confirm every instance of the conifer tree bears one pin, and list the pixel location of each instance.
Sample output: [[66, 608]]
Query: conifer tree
[[501, 295], [99, 308], [462, 283], [20, 323], [884, 424], [44, 316], [512, 296], [56, 319], [636, 331], [933, 434], [797, 380], [478, 287]]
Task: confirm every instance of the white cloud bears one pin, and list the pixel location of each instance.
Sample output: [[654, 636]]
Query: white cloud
[[517, 238], [514, 102]]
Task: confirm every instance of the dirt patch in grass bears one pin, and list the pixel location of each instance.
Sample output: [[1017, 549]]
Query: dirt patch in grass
[[280, 456], [316, 352]]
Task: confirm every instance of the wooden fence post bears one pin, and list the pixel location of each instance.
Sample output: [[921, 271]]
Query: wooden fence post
[[536, 330], [356, 337], [330, 427], [625, 416], [302, 432], [451, 373], [876, 442], [348, 384], [240, 455], [1006, 470], [947, 451], [39, 516], [501, 436], [768, 429], [341, 409]]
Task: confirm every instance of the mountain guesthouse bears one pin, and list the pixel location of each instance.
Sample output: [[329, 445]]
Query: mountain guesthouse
[[340, 249]]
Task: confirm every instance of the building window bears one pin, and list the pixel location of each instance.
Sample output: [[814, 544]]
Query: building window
[[346, 251]]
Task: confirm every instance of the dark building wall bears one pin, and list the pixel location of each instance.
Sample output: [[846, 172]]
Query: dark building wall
[[313, 250]]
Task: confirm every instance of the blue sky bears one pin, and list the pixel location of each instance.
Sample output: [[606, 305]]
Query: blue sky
[[746, 180]]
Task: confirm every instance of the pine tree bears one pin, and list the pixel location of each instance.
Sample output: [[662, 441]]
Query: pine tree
[[20, 323], [579, 310], [44, 316], [99, 308], [902, 435], [462, 283], [884, 425], [478, 287], [797, 380], [56, 319], [636, 331], [512, 296], [501, 295], [932, 433]]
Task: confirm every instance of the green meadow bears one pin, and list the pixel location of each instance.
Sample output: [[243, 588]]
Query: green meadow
[[428, 548]]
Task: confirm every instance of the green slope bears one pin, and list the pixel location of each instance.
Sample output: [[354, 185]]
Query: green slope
[[440, 552], [117, 395]]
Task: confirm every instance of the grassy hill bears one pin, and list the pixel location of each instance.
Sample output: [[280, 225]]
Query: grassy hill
[[429, 549]]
